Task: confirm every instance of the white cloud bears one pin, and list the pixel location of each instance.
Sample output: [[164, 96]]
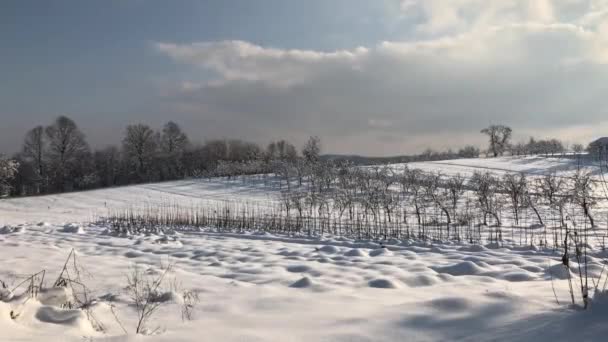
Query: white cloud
[[242, 61], [535, 64]]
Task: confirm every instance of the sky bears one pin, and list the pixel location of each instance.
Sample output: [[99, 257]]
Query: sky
[[375, 77]]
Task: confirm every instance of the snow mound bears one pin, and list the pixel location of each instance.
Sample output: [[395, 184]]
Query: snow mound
[[380, 252], [169, 296], [5, 295], [382, 284], [50, 314], [55, 296], [298, 268], [329, 249], [355, 252], [558, 271], [518, 276], [450, 304], [421, 280], [11, 229], [72, 228], [473, 248], [304, 282], [133, 254], [460, 269]]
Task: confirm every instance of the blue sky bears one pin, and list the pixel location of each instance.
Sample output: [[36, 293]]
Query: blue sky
[[371, 77]]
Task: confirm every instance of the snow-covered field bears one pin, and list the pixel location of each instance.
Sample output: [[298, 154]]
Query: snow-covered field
[[260, 287], [533, 165], [88, 206]]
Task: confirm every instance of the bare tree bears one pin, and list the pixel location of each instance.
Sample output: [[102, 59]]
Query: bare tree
[[582, 194], [173, 144], [515, 185], [312, 149], [34, 146], [140, 145], [281, 150], [533, 198], [108, 165], [66, 144], [439, 195], [414, 180], [499, 136], [486, 187], [468, 151], [456, 187], [553, 190], [173, 139]]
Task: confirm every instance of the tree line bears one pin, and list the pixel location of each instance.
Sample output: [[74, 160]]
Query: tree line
[[499, 144], [58, 158]]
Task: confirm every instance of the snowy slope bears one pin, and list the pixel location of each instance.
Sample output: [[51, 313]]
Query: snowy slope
[[533, 165], [89, 205]]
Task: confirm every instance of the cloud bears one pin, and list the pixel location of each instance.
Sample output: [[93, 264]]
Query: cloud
[[242, 61], [530, 64]]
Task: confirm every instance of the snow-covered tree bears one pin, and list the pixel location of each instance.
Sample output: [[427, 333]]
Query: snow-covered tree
[[312, 149], [8, 170]]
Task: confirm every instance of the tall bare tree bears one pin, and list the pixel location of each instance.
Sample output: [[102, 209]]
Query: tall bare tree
[[66, 143], [515, 185], [173, 145], [485, 187], [140, 145], [173, 140], [583, 189], [499, 136], [108, 166], [34, 146]]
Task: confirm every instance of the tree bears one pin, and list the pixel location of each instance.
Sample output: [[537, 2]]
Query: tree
[[485, 187], [456, 188], [66, 143], [312, 149], [439, 195], [173, 144], [413, 181], [108, 166], [140, 146], [8, 170], [516, 187], [468, 151], [241, 151], [173, 140], [282, 150], [578, 148], [499, 136], [582, 194], [34, 146]]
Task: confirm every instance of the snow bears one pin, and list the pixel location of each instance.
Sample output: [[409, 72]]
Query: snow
[[276, 289], [533, 165], [262, 287]]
